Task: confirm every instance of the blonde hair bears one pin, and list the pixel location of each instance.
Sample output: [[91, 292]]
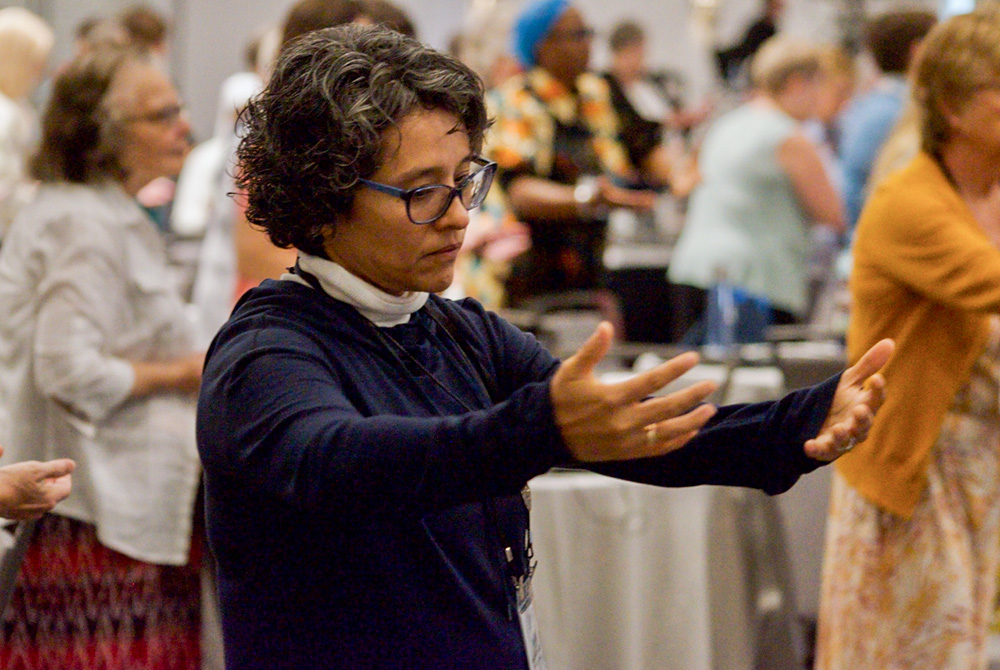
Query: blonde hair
[[899, 147], [485, 38], [779, 59], [836, 61], [958, 57], [840, 77], [25, 43]]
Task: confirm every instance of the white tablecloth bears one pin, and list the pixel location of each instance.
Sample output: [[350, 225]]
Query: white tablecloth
[[747, 384], [634, 577]]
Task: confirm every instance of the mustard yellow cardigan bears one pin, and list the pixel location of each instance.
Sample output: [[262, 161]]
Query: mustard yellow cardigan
[[927, 276]]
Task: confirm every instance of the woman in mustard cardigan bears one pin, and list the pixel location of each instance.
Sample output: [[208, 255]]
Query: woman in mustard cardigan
[[913, 541]]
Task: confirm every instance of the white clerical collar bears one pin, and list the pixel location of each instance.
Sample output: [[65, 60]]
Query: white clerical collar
[[381, 308]]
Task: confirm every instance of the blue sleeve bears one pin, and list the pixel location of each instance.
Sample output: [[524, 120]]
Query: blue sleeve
[[275, 418], [758, 446], [863, 132]]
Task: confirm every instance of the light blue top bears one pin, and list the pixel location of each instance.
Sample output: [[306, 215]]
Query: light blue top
[[864, 127], [745, 218]]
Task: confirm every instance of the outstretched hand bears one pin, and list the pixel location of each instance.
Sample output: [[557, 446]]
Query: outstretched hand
[[611, 195], [859, 394], [29, 489], [604, 422]]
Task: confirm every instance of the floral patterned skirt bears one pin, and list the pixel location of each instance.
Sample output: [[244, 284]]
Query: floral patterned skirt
[[918, 593], [81, 606]]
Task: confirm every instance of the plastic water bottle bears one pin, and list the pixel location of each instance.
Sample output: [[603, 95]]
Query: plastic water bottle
[[721, 315]]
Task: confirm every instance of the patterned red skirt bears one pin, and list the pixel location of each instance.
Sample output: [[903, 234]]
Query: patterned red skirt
[[81, 606]]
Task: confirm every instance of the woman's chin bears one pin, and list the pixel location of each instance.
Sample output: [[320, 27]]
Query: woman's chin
[[439, 283]]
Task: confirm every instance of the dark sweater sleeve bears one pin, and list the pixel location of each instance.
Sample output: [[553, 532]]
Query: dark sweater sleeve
[[274, 416], [758, 446]]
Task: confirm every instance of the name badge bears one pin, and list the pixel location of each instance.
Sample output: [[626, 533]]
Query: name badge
[[529, 625]]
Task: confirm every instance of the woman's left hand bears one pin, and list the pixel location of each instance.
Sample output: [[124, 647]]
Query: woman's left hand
[[859, 394]]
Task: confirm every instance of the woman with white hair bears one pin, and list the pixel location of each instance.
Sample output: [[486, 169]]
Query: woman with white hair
[[763, 186], [25, 44]]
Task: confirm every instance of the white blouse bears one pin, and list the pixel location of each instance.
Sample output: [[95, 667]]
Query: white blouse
[[84, 289]]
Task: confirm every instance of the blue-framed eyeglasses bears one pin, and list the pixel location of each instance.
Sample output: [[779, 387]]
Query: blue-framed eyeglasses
[[427, 204]]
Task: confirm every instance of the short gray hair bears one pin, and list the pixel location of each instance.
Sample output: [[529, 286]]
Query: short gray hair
[[780, 58]]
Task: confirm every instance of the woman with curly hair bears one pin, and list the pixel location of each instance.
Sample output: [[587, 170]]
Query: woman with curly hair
[[367, 443]]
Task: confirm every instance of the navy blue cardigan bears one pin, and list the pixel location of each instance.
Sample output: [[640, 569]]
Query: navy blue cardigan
[[346, 487]]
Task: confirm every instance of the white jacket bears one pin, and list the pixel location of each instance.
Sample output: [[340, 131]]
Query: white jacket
[[84, 288]]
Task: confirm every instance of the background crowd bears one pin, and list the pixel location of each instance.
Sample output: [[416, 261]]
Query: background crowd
[[862, 175]]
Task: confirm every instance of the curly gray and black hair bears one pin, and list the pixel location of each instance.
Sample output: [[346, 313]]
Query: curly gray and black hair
[[319, 125]]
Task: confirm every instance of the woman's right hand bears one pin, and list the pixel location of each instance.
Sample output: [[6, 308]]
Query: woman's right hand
[[605, 422], [610, 195], [29, 489]]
